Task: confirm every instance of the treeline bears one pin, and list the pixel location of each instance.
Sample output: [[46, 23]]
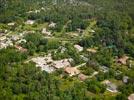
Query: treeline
[[27, 82], [11, 55], [114, 31], [61, 11]]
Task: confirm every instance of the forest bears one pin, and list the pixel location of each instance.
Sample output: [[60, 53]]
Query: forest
[[114, 37]]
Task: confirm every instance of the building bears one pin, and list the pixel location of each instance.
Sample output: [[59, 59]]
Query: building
[[104, 69], [61, 63], [72, 71], [123, 60], [52, 25], [110, 86], [44, 63], [78, 48], [2, 33], [30, 22], [44, 31], [84, 58], [3, 45], [82, 77], [11, 24], [20, 48], [21, 41], [92, 50], [125, 79], [131, 97], [15, 37], [3, 38], [49, 65]]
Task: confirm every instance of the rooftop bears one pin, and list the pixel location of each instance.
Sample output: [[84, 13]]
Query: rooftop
[[72, 71], [78, 47], [123, 60], [131, 97]]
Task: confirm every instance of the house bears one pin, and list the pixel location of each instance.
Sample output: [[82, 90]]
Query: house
[[82, 77], [44, 63], [62, 49], [78, 48], [2, 33], [110, 86], [61, 63], [125, 79], [5, 43], [84, 58], [92, 50], [72, 71], [44, 31], [37, 11], [49, 65], [42, 8], [104, 69], [3, 38], [123, 60], [20, 48], [15, 37], [11, 24], [52, 25], [2, 45], [118, 72], [79, 30], [47, 68], [30, 22], [9, 43], [21, 41], [30, 12], [131, 97]]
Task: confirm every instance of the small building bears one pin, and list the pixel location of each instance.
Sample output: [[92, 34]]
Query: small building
[[15, 37], [104, 69], [61, 63], [131, 97], [11, 24], [52, 25], [44, 31], [9, 43], [20, 48], [82, 77], [72, 71], [62, 49], [123, 60], [44, 63], [78, 48], [125, 79], [92, 50], [49, 65], [80, 30], [110, 86], [84, 58], [2, 34], [37, 11], [3, 38], [21, 41], [30, 22], [3, 45]]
